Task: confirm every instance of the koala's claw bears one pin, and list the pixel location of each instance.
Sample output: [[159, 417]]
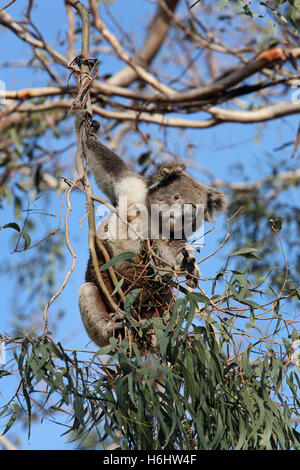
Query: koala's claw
[[94, 127], [189, 265], [191, 282], [115, 316], [83, 115]]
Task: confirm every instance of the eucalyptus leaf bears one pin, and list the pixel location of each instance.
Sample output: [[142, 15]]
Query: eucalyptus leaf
[[117, 259], [246, 252]]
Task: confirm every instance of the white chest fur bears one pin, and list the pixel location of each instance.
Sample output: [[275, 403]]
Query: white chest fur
[[132, 188]]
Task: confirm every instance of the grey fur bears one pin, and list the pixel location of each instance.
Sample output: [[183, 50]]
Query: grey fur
[[107, 167], [167, 186]]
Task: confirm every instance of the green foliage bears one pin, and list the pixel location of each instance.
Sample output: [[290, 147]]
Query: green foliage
[[25, 235], [268, 221], [284, 10], [200, 391], [223, 377], [127, 255]]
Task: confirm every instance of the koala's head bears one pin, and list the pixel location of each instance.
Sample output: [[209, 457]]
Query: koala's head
[[175, 194]]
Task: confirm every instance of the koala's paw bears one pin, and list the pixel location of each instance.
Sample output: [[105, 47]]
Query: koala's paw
[[189, 264], [95, 126], [83, 118], [116, 316], [153, 345], [82, 115]]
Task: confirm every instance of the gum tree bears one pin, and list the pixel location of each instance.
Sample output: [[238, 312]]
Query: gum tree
[[226, 375]]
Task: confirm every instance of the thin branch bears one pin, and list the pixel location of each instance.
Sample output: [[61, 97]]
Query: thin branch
[[292, 176], [20, 30], [266, 58], [7, 5], [45, 312], [85, 83], [7, 444], [40, 55], [155, 38], [225, 238], [140, 71], [71, 30]]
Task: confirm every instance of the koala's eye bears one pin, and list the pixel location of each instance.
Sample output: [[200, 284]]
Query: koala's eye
[[176, 197]]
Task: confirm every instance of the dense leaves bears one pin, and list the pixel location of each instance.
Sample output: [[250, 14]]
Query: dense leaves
[[226, 375], [197, 392]]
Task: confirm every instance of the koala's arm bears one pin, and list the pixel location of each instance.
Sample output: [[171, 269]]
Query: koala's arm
[[179, 254], [111, 173], [99, 324]]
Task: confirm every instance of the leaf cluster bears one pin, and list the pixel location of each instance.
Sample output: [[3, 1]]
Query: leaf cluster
[[190, 395]]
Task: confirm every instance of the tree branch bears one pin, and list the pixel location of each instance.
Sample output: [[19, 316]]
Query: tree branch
[[219, 115], [7, 444], [20, 31], [84, 75], [292, 176], [156, 36], [267, 58], [140, 71]]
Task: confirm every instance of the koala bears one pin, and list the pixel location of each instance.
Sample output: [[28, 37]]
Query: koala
[[156, 296], [160, 212]]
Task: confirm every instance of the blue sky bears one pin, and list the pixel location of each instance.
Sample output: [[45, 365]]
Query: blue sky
[[219, 149]]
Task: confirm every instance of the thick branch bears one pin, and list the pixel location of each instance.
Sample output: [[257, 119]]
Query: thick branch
[[115, 43], [84, 77], [28, 93], [263, 114], [166, 95], [219, 115], [7, 445], [19, 30], [157, 33], [292, 176], [149, 100], [266, 58]]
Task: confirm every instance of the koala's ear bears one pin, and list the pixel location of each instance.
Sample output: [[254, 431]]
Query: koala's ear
[[216, 201], [165, 172]]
